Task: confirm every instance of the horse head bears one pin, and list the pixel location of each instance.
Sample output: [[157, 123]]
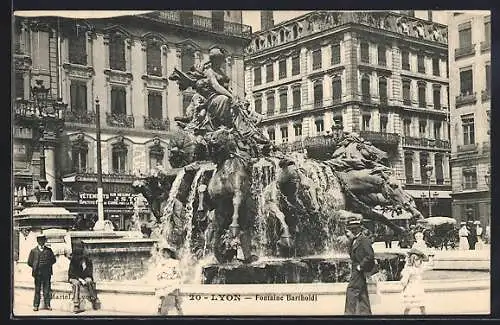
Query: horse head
[[401, 198]]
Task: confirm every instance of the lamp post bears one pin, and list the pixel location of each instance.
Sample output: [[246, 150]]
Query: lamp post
[[99, 225], [428, 172]]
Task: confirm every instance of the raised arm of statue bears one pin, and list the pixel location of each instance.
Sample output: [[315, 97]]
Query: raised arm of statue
[[214, 83]]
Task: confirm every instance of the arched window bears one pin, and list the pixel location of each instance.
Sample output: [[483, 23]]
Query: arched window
[[365, 89], [117, 51], [153, 57], [382, 90], [187, 59], [119, 157], [156, 154], [79, 154]]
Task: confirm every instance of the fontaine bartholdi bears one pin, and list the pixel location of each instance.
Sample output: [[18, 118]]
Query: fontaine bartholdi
[[259, 211]]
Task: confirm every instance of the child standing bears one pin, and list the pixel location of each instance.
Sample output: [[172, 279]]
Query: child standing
[[413, 290]]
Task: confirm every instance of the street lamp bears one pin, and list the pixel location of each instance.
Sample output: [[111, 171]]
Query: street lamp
[[428, 172]]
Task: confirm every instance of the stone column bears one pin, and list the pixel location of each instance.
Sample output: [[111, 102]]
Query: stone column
[[50, 166]]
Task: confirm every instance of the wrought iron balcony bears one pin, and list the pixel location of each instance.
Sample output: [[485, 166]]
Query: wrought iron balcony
[[199, 23], [426, 143], [25, 108], [120, 120], [407, 102], [485, 46], [380, 137], [467, 147], [383, 100], [270, 112], [28, 109], [485, 95], [152, 123], [79, 117], [406, 66], [465, 99], [421, 68], [465, 51]]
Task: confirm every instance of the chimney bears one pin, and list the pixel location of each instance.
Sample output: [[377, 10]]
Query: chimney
[[266, 19]]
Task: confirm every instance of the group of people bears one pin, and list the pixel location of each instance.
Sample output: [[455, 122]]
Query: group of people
[[470, 235], [364, 266], [80, 275]]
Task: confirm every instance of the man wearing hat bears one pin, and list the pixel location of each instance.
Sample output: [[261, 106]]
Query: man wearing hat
[[362, 261], [472, 237], [40, 260], [80, 275]]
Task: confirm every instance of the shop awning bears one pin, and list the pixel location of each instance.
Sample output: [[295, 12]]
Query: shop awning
[[80, 14], [417, 194]]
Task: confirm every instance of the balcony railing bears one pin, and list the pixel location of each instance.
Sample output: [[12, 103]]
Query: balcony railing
[[282, 75], [406, 66], [407, 102], [467, 147], [383, 100], [485, 46], [283, 109], [270, 112], [465, 99], [200, 23], [365, 98], [465, 51], [318, 103], [485, 95], [80, 117], [380, 137], [470, 186], [151, 123], [426, 143], [120, 120], [421, 68], [25, 108]]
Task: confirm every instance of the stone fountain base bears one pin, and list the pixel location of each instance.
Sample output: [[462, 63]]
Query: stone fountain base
[[297, 270]]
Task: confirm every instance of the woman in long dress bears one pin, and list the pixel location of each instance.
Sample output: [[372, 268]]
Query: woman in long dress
[[463, 243], [411, 279], [479, 232]]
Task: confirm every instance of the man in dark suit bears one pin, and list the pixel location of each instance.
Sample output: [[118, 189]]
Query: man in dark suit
[[40, 260], [472, 237], [80, 275], [362, 261]]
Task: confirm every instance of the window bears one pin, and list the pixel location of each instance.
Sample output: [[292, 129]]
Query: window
[[338, 120], [409, 167], [119, 158], [257, 76], [320, 127], [153, 59], [422, 126], [78, 96], [365, 89], [258, 105], [296, 98], [487, 31], [405, 59], [186, 101], [435, 67], [117, 52], [295, 31], [436, 94], [186, 17], [470, 178], [465, 36], [407, 127], [438, 169], [218, 20], [19, 90], [316, 59], [423, 163], [270, 104], [318, 94], [283, 101], [155, 105], [284, 133], [156, 154], [383, 123], [337, 90], [79, 157], [295, 65], [487, 69], [437, 130], [282, 36], [421, 95], [298, 130], [336, 54], [118, 101], [381, 55], [466, 83], [365, 55], [365, 126], [382, 90], [421, 63], [406, 93], [269, 72], [187, 59], [282, 69], [272, 135], [77, 48], [468, 129]]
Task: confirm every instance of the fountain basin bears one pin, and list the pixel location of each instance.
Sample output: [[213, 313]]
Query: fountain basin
[[297, 270]]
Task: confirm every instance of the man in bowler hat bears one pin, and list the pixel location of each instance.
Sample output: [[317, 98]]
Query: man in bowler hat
[[40, 260], [362, 261]]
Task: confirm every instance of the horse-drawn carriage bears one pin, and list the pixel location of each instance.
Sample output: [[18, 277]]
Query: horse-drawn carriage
[[440, 232]]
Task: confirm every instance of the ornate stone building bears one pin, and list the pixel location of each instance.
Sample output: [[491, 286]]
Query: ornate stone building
[[381, 74], [124, 62], [470, 94]]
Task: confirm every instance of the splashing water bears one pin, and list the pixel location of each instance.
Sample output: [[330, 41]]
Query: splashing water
[[169, 207]]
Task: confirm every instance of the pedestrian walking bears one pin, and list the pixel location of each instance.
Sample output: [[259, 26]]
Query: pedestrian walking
[[363, 262], [479, 233], [411, 279], [41, 259], [80, 275], [463, 234], [472, 237]]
